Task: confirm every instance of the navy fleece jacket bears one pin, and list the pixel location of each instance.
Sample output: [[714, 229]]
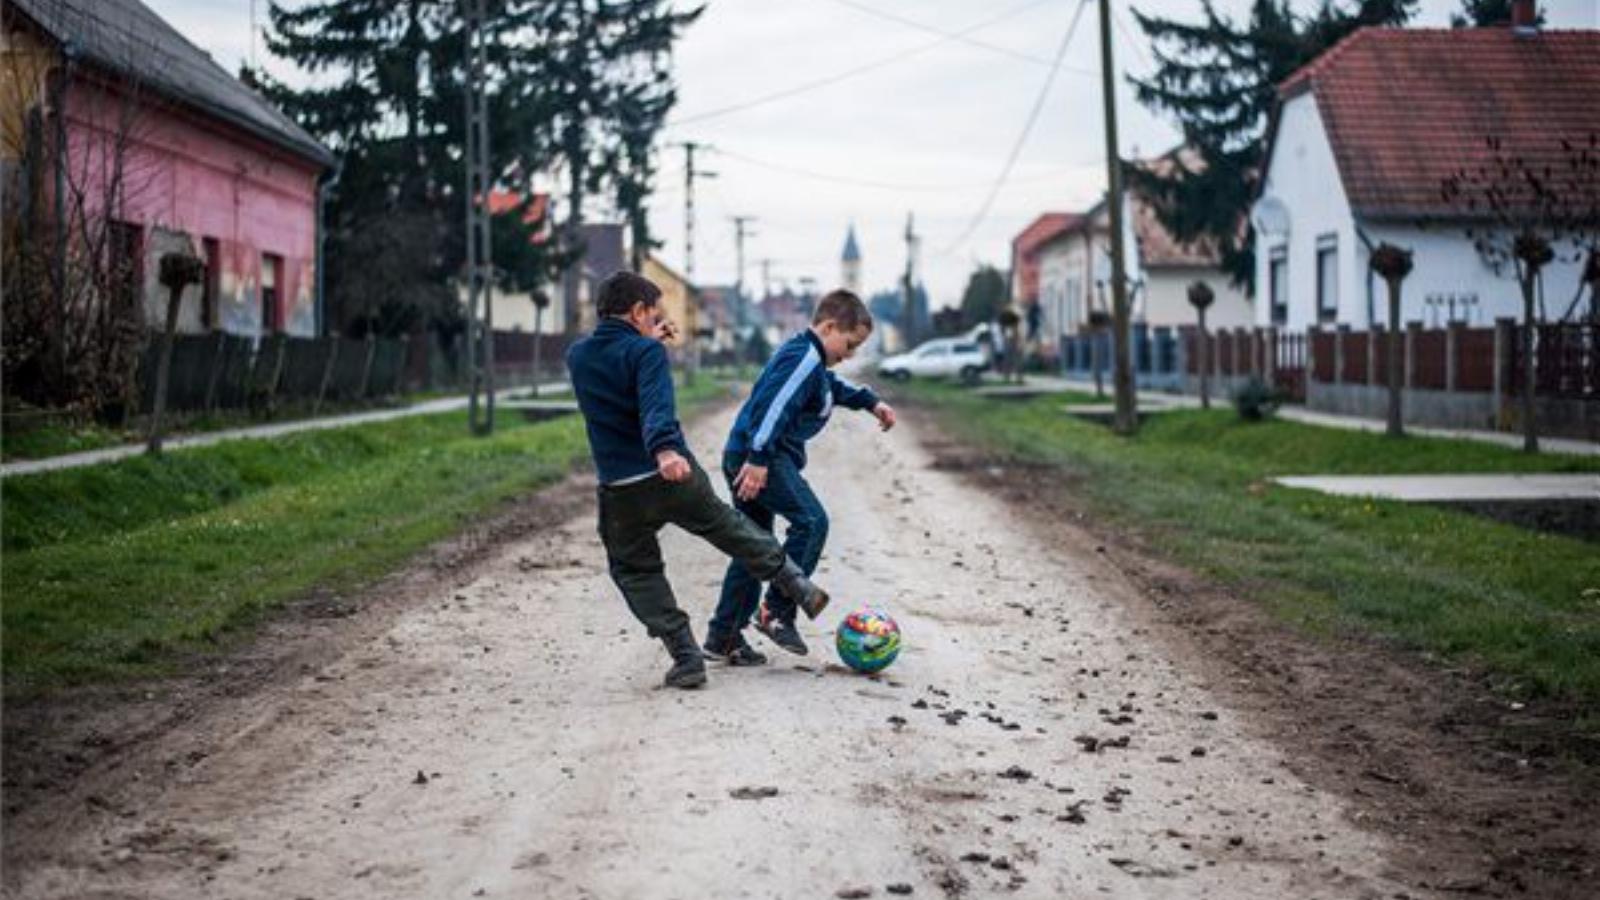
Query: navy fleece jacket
[[624, 388]]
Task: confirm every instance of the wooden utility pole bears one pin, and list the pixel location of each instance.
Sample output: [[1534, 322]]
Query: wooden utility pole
[[1127, 418], [480, 261], [1201, 297], [690, 173], [908, 285], [741, 230]]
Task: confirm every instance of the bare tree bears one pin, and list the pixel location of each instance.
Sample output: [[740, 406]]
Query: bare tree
[[1526, 216], [73, 261]]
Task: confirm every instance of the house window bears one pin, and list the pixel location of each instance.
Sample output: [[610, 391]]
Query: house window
[[1278, 284], [271, 286], [1327, 278], [124, 262], [211, 287]]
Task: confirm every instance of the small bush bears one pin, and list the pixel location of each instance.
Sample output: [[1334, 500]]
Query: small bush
[[1257, 401]]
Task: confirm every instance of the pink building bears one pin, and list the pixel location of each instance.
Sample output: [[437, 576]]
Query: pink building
[[176, 153]]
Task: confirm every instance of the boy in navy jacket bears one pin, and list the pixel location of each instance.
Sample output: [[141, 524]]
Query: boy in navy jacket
[[648, 477], [763, 459]]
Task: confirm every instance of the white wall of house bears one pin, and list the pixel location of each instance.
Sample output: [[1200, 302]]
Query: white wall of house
[[1303, 210], [514, 311], [1448, 274], [1166, 298], [1303, 213]]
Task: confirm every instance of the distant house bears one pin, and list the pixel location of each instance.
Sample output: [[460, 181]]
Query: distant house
[[783, 314], [1361, 142], [515, 310], [173, 152], [1062, 263], [679, 303]]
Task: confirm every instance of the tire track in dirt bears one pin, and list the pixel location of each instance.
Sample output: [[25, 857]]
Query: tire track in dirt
[[506, 737]]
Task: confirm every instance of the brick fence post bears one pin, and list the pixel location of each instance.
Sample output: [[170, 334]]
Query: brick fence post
[[1504, 335], [1452, 355], [1339, 334], [1413, 331]]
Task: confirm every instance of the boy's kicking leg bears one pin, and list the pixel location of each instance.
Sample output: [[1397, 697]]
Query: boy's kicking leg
[[630, 518], [697, 509]]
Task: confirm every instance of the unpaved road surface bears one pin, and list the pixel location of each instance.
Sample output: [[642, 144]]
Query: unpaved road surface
[[1039, 737]]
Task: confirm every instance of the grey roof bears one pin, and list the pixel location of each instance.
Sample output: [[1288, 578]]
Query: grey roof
[[603, 252], [852, 252], [126, 38]]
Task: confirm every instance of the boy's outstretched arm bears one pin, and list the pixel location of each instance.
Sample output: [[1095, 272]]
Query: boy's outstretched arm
[[658, 414], [859, 396]]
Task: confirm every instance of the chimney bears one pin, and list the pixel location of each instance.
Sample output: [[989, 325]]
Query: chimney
[[1524, 17]]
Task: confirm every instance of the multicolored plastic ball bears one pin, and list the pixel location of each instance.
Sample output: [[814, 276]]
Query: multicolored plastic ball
[[868, 640]]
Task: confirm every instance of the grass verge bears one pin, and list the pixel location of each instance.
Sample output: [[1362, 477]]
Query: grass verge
[[1193, 485], [112, 571]]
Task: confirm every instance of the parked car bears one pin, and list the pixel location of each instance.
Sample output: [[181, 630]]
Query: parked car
[[940, 358]]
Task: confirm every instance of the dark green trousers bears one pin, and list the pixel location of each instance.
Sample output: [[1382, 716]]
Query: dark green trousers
[[631, 516]]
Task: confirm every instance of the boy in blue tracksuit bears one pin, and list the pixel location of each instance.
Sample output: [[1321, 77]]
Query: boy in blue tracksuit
[[648, 477], [763, 459]]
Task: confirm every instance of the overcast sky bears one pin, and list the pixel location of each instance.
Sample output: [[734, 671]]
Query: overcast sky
[[927, 132]]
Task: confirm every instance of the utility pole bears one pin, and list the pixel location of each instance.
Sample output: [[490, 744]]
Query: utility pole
[[741, 230], [1127, 417], [766, 276], [908, 285], [479, 262], [690, 173]]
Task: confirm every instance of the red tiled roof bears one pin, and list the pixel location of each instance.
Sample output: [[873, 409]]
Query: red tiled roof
[[1027, 243], [1406, 108]]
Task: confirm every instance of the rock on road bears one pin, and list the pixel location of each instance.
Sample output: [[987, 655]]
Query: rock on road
[[1038, 738]]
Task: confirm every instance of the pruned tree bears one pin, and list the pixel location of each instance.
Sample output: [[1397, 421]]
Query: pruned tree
[[1487, 13], [1526, 215]]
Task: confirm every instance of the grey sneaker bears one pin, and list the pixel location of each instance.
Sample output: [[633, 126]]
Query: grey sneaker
[[734, 651], [780, 631]]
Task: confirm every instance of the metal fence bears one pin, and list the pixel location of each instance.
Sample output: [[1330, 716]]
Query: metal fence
[[224, 371]]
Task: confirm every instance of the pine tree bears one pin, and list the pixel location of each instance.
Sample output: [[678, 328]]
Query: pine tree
[[1486, 13], [984, 297], [608, 92], [1218, 79]]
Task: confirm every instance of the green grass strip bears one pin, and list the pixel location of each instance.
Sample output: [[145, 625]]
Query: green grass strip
[[112, 570], [1523, 603]]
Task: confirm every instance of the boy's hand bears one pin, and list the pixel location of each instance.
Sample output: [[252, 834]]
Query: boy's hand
[[885, 416], [749, 482], [666, 332], [672, 466]]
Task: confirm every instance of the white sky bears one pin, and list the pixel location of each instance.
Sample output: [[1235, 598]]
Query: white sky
[[936, 126]]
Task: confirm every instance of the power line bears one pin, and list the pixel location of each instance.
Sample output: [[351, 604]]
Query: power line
[[929, 187], [847, 74], [1027, 128], [956, 36]]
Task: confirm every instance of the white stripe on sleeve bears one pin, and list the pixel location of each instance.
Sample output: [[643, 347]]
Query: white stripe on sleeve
[[775, 410]]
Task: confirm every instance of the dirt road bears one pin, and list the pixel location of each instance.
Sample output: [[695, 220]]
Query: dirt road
[[1039, 737]]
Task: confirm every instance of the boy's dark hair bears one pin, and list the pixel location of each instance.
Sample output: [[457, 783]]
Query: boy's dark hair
[[621, 290], [844, 309]]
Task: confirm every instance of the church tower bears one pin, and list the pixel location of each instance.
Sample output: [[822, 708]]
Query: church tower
[[850, 263]]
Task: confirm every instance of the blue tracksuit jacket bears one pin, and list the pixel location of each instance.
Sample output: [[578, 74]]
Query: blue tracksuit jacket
[[791, 402], [624, 388]]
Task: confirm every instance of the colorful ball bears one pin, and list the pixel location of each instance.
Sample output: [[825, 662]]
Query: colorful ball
[[868, 640]]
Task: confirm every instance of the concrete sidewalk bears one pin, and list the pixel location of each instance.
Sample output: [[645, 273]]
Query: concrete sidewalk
[[1329, 420], [279, 429], [1454, 488]]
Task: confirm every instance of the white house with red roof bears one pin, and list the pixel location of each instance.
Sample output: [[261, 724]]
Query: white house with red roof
[[1062, 262], [1361, 144]]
